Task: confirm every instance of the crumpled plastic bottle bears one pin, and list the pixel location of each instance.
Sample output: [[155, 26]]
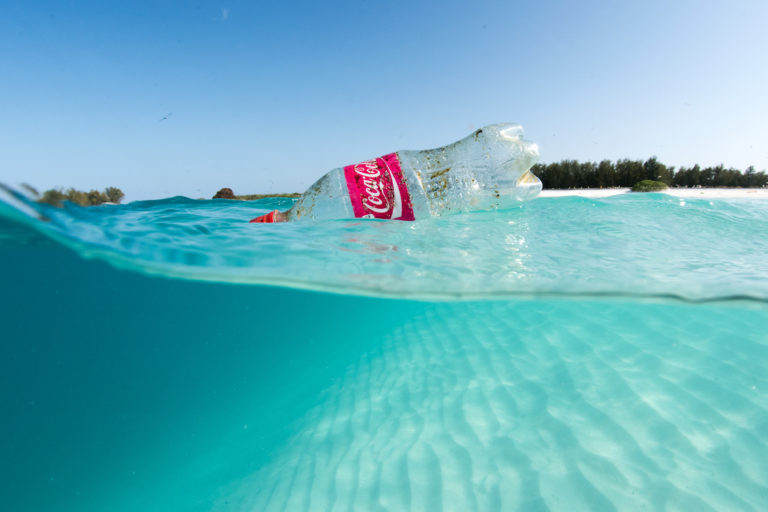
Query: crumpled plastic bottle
[[488, 170]]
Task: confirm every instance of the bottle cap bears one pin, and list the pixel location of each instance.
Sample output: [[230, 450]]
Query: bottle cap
[[270, 217]]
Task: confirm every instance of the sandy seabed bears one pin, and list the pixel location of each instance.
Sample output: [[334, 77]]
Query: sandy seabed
[[761, 193]]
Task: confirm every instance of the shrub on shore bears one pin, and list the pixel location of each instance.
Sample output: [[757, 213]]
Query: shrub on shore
[[649, 186]]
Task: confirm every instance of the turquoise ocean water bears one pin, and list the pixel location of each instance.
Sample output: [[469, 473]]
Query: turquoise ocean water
[[570, 354]]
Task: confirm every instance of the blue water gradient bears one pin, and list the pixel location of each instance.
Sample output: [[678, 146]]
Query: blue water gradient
[[637, 244], [573, 354]]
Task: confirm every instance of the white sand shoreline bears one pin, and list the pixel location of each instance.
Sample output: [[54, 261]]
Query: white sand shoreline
[[705, 193]]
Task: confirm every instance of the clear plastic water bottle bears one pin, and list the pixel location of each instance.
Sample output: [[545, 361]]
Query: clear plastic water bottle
[[489, 169]]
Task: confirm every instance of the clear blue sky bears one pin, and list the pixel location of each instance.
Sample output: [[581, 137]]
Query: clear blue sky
[[268, 96]]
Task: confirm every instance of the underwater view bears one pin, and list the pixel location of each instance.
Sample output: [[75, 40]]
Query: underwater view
[[569, 354], [303, 256]]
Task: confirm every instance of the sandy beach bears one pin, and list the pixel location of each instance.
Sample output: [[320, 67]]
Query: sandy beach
[[761, 193]]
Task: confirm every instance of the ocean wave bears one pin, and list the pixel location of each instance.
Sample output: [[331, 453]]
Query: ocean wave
[[639, 245]]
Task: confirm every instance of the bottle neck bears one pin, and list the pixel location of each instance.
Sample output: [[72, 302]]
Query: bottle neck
[[490, 169]]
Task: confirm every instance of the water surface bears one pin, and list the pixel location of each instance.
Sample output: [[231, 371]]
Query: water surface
[[571, 354]]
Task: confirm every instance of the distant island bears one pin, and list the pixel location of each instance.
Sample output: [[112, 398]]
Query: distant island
[[226, 193]]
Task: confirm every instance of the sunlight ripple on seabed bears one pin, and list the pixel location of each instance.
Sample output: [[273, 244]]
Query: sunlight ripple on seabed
[[503, 408]]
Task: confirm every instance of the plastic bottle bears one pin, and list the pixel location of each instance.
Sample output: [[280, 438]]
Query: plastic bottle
[[489, 169]]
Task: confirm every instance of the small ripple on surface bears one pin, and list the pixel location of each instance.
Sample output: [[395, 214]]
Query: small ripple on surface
[[637, 245]]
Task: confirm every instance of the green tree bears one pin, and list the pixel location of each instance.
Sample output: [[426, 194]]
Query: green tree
[[753, 178], [692, 176], [657, 171], [95, 198], [587, 175], [606, 174], [114, 195], [78, 197], [684, 178], [629, 172], [53, 197]]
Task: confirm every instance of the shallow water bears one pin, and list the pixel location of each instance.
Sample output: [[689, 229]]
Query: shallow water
[[572, 354], [637, 244]]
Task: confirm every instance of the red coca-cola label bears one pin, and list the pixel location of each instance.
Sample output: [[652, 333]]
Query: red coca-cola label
[[377, 189]]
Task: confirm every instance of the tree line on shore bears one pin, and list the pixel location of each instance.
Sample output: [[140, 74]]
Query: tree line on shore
[[625, 173], [91, 198]]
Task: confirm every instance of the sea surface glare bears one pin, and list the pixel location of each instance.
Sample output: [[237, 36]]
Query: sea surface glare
[[569, 354]]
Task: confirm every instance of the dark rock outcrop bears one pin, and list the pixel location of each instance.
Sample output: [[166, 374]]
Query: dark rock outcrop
[[225, 193]]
